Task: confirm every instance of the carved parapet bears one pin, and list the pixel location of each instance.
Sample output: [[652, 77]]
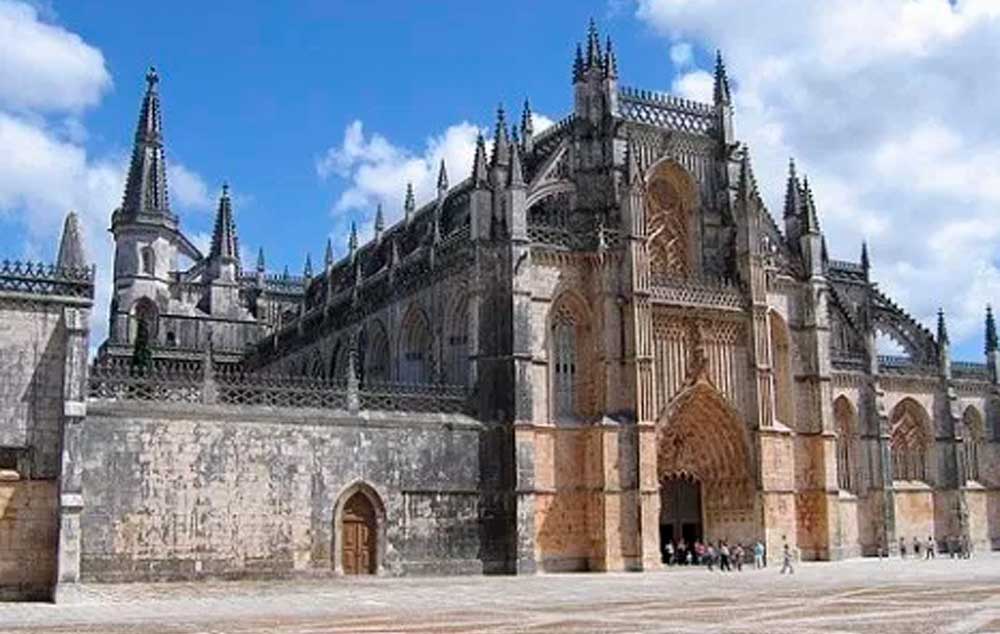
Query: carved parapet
[[666, 111], [696, 294], [37, 278]]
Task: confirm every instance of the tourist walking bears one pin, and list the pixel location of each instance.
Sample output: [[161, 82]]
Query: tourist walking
[[738, 554], [709, 556], [724, 558], [931, 547], [902, 548], [916, 548], [786, 558], [758, 555]]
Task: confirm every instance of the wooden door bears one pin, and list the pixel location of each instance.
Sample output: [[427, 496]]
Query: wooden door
[[358, 536]]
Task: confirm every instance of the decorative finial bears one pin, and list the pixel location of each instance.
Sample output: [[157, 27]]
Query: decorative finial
[[152, 78], [991, 331], [307, 270], [260, 260], [352, 241], [410, 204], [442, 178], [942, 329], [379, 222], [865, 262], [479, 176], [328, 258], [721, 89]]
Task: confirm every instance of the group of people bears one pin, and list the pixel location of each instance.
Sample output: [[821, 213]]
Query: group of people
[[958, 547], [721, 555]]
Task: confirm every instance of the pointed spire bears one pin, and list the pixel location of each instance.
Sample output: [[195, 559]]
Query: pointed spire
[[515, 178], [793, 190], [71, 256], [352, 241], [942, 329], [442, 179], [410, 204], [328, 257], [610, 61], [578, 65], [224, 242], [479, 175], [721, 92], [593, 46], [146, 185], [284, 272], [501, 142], [527, 121], [991, 331], [307, 270], [747, 182], [379, 222], [865, 262], [810, 218], [260, 260]]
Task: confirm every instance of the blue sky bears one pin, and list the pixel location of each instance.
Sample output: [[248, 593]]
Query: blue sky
[[315, 111]]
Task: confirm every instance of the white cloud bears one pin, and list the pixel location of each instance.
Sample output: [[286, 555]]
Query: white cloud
[[45, 67], [681, 54], [697, 85], [889, 106], [187, 189]]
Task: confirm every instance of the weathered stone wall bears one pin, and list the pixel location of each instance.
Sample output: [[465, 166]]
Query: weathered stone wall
[[201, 491], [28, 535]]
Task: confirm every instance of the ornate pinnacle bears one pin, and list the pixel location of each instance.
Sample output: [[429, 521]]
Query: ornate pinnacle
[[379, 222], [610, 61], [442, 178], [809, 217], [865, 263], [260, 260], [146, 184], [152, 78], [410, 204], [71, 254], [515, 178], [224, 243], [307, 270], [793, 190], [721, 92], [593, 46], [501, 142], [479, 176], [991, 331], [352, 241], [578, 65], [942, 329], [328, 258], [284, 272], [527, 122]]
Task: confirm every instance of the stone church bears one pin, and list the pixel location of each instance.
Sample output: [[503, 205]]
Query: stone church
[[597, 341]]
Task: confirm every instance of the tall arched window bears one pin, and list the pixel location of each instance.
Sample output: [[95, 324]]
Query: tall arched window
[[670, 199], [148, 261], [564, 364], [781, 366], [457, 368], [569, 352], [910, 441], [846, 420], [377, 354], [972, 438], [416, 346]]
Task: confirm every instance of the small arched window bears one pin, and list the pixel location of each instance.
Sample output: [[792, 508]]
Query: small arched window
[[972, 439], [846, 421], [457, 371], [416, 347], [910, 442], [148, 261]]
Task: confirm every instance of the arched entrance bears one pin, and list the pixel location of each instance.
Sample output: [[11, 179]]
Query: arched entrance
[[358, 531], [680, 510]]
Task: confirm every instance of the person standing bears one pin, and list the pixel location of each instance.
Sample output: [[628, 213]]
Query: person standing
[[786, 558], [668, 553], [931, 547], [758, 555], [902, 548], [738, 557], [709, 556], [916, 548], [724, 557]]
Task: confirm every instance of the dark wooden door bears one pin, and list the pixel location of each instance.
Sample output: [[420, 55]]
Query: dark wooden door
[[358, 536]]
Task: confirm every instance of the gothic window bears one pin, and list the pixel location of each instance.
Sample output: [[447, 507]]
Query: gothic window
[[377, 355], [972, 438], [457, 370], [569, 348], [415, 363], [781, 366], [148, 261], [564, 364], [910, 442], [670, 199], [846, 420]]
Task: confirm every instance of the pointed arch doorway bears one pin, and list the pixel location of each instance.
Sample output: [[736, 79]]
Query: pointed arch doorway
[[359, 531], [680, 510]]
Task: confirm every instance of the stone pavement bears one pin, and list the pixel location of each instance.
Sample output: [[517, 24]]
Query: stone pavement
[[853, 596]]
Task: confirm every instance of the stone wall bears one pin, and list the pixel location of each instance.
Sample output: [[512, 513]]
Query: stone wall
[[180, 492]]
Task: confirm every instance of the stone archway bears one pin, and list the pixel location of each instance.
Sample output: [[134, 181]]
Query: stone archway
[[359, 531], [701, 438]]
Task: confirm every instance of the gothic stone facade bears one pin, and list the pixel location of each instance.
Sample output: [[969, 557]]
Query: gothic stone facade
[[598, 342]]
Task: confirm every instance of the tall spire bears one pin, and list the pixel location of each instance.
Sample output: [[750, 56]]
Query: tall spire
[[578, 64], [71, 254], [410, 204], [224, 242], [146, 185], [379, 222], [593, 46], [479, 175], [721, 92], [501, 142], [260, 260], [610, 61], [442, 178], [527, 127], [328, 258], [352, 240], [865, 262], [942, 329], [307, 269], [515, 177], [810, 218], [991, 331], [793, 190]]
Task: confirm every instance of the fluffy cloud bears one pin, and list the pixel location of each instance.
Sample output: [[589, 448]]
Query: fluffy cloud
[[187, 189], [44, 66], [378, 170], [889, 107]]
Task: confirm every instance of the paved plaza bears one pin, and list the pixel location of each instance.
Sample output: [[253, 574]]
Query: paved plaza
[[854, 596]]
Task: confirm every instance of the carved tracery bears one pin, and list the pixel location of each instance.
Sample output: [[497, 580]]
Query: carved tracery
[[670, 199]]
